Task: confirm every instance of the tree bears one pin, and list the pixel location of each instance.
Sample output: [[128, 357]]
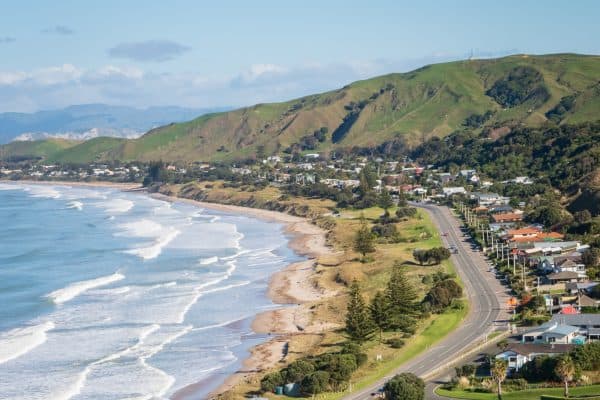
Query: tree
[[359, 325], [385, 200], [297, 370], [380, 313], [591, 257], [498, 369], [405, 386], [565, 370], [367, 180], [443, 293], [314, 383], [271, 381], [401, 297], [420, 256], [363, 241]]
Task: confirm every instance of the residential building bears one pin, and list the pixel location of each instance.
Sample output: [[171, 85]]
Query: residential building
[[588, 325], [518, 354], [551, 332]]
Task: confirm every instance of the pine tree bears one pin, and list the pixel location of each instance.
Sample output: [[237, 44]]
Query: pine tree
[[402, 300], [359, 325], [363, 241], [380, 312]]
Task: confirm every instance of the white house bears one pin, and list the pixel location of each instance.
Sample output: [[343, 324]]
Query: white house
[[551, 332], [518, 354]]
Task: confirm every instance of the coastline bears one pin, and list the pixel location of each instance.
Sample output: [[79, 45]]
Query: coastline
[[102, 184], [294, 287]]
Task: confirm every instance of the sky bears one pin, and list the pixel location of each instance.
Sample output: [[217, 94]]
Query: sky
[[235, 53]]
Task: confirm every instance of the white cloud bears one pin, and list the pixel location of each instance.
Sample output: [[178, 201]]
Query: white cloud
[[56, 75], [11, 78], [58, 86]]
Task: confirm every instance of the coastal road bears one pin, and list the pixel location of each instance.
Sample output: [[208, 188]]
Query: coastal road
[[487, 306]]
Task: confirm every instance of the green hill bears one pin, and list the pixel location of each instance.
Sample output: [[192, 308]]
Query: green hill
[[431, 101]]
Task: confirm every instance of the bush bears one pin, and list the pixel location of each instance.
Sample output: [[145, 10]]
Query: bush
[[271, 381], [403, 212], [405, 386], [297, 370], [315, 383], [395, 343], [442, 294]]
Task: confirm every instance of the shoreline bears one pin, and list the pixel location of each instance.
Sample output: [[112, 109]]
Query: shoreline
[[293, 288], [127, 187]]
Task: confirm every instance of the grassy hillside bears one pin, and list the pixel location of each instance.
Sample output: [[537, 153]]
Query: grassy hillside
[[43, 149], [432, 101]]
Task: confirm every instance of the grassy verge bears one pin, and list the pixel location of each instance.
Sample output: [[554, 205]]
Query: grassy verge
[[592, 390]]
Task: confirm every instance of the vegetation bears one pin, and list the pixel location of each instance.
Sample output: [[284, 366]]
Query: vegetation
[[363, 242], [565, 370], [405, 386], [359, 325], [498, 370]]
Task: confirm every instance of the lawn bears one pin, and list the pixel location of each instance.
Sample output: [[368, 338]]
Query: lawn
[[592, 390]]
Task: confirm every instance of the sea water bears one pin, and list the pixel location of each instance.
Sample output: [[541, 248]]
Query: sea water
[[106, 294]]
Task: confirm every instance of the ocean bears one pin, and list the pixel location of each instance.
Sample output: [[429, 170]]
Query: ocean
[[116, 295]]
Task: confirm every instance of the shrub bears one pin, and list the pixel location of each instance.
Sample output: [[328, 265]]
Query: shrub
[[315, 382], [395, 343], [405, 386], [297, 370], [271, 381]]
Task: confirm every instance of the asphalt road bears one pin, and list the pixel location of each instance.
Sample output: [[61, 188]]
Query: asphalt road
[[486, 296]]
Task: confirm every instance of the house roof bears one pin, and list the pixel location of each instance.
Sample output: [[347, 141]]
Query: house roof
[[530, 230], [527, 349], [563, 275], [587, 301], [577, 319], [507, 217], [568, 310]]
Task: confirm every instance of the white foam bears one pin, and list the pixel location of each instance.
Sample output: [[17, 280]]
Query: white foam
[[209, 260], [110, 292], [6, 186], [43, 191], [141, 228], [65, 294], [17, 342], [154, 250], [117, 205], [75, 204]]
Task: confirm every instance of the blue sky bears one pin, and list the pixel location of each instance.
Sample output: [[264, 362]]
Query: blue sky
[[192, 53]]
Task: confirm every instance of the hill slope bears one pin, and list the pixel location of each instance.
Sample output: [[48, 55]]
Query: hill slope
[[432, 101]]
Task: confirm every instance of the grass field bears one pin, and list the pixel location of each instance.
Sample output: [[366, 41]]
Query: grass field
[[592, 390]]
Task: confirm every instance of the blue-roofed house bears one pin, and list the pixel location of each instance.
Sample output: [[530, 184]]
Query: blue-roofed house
[[551, 332]]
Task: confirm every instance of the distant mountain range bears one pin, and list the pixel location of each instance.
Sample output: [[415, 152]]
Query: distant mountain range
[[88, 121], [488, 97]]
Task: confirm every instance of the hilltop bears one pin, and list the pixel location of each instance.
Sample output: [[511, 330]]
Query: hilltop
[[403, 108]]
